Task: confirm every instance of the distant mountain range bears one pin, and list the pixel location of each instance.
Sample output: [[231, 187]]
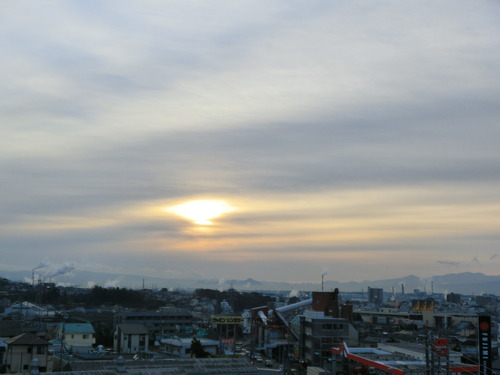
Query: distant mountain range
[[463, 283]]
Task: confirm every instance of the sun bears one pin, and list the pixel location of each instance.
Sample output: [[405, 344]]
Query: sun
[[201, 212]]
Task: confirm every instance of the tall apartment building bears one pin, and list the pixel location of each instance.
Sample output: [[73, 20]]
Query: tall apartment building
[[376, 295], [322, 328]]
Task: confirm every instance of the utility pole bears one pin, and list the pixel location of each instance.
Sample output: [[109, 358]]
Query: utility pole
[[448, 371], [427, 359], [433, 358]]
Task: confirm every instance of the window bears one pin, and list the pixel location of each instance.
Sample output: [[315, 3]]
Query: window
[[85, 337], [30, 349], [332, 327], [40, 350]]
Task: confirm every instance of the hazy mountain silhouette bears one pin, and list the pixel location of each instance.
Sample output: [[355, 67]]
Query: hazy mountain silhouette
[[464, 283]]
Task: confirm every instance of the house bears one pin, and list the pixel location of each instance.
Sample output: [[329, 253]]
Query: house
[[8, 329], [130, 338], [77, 337], [22, 349]]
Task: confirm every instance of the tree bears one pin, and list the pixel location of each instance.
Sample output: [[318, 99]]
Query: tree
[[197, 350]]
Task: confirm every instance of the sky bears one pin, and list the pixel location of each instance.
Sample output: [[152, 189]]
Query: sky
[[273, 140]]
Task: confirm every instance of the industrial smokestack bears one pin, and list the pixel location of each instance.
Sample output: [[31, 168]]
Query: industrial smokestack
[[323, 274], [41, 265]]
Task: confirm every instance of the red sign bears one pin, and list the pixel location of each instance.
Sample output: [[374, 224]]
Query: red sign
[[441, 347]]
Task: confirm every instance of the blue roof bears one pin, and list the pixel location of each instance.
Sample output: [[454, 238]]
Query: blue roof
[[78, 328]]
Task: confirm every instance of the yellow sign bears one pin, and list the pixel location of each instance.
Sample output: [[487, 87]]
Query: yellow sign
[[221, 319]]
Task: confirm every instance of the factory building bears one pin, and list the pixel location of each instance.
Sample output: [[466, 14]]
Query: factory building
[[305, 330]]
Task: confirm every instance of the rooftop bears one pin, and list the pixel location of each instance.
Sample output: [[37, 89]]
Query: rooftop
[[26, 339], [188, 366], [132, 329], [78, 328]]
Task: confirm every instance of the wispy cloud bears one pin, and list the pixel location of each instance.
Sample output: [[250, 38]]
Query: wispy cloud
[[448, 263]]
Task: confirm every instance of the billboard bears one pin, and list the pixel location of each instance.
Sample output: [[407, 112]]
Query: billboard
[[484, 338], [223, 319], [423, 305]]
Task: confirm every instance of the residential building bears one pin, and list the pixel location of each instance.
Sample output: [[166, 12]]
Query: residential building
[[130, 338], [453, 298], [167, 322], [376, 295], [22, 349], [77, 337]]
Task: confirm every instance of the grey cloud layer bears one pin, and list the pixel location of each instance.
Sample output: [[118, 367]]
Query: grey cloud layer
[[112, 105]]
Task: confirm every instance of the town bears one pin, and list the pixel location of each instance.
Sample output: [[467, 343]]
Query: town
[[49, 328]]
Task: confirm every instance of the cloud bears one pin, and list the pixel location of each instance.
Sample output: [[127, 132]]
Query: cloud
[[41, 265], [294, 293], [112, 283], [448, 263], [339, 131], [59, 269]]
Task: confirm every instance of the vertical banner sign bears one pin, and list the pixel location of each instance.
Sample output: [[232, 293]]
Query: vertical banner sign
[[485, 345], [441, 347]]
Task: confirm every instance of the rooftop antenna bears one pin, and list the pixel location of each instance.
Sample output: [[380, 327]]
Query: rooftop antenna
[[322, 281]]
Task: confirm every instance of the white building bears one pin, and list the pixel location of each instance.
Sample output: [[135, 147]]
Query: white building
[[130, 338], [77, 337], [181, 347]]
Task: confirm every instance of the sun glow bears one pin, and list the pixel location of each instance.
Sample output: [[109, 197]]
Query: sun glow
[[201, 212]]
